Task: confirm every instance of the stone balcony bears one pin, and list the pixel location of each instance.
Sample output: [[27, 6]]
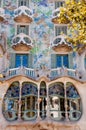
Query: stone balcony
[[1, 15], [51, 74], [21, 71], [60, 45], [55, 15], [22, 42], [23, 15]]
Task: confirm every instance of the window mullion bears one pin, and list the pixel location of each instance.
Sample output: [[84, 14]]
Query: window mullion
[[38, 101], [65, 103], [20, 96], [62, 58]]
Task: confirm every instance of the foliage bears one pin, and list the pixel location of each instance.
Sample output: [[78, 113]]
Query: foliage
[[74, 13]]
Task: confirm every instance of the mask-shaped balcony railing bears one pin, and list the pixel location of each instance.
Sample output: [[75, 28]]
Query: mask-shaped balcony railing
[[61, 46], [1, 15], [55, 16], [63, 71], [49, 73], [23, 14], [22, 42]]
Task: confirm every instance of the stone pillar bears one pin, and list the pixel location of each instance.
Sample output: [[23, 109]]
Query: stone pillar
[[65, 103], [19, 112], [38, 117], [48, 108]]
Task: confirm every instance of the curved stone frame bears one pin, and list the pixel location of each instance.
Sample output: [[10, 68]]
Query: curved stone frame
[[14, 110], [74, 102], [10, 102], [64, 114], [69, 113], [56, 97], [29, 97]]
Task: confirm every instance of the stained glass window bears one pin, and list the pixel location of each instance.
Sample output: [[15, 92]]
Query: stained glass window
[[73, 102], [56, 96], [22, 102], [65, 102], [10, 102], [29, 101]]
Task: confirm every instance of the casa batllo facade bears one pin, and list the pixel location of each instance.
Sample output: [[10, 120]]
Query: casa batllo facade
[[42, 80]]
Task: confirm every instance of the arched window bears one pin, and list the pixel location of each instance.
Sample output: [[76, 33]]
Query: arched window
[[20, 102], [10, 102], [65, 102], [56, 97], [43, 102], [29, 101], [73, 102]]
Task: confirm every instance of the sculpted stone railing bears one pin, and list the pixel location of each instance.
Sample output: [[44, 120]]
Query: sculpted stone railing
[[23, 14], [58, 72], [51, 74], [21, 71], [22, 42], [23, 10]]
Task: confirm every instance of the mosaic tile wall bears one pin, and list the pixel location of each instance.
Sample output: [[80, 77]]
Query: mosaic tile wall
[[41, 29]]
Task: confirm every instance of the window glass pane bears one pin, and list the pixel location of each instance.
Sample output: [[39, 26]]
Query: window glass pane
[[23, 29], [23, 3], [61, 29], [21, 60], [58, 4], [65, 61], [62, 60], [59, 61]]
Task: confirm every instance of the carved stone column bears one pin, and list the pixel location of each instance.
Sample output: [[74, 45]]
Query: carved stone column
[[20, 102], [65, 103]]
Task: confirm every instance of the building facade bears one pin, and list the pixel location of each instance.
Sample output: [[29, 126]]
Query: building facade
[[42, 80]]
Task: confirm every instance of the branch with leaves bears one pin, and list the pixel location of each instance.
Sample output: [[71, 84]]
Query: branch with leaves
[[73, 13]]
